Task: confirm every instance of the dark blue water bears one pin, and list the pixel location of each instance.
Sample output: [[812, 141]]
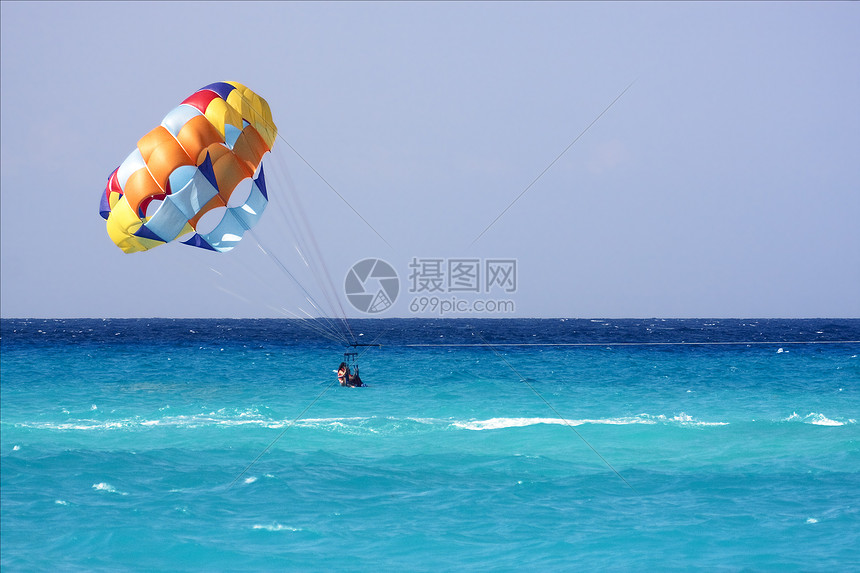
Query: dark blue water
[[478, 445]]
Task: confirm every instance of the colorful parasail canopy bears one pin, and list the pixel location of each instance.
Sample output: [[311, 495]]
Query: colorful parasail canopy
[[190, 165]]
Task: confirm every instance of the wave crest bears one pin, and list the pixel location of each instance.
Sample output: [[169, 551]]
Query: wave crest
[[366, 424], [817, 419], [500, 423], [275, 527], [106, 487]]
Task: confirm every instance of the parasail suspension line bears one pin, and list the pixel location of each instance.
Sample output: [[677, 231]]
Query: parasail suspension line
[[323, 179], [287, 272], [299, 155], [306, 244]]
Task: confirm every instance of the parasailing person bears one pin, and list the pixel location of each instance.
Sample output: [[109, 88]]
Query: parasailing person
[[346, 378]]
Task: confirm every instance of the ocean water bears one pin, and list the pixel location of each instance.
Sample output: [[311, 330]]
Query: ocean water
[[478, 445]]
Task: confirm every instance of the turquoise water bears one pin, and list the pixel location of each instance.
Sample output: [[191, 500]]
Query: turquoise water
[[131, 445]]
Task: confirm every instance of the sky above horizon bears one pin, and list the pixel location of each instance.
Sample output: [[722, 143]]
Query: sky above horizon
[[725, 182]]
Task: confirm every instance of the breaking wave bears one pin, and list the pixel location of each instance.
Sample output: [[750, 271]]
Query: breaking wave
[[501, 423], [817, 419], [369, 424]]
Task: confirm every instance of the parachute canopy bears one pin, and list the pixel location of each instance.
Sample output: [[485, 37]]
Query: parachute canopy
[[190, 165]]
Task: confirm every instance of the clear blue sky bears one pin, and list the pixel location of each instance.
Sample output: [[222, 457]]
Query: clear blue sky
[[724, 183]]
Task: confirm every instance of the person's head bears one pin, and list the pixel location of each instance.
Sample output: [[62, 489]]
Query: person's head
[[341, 370]]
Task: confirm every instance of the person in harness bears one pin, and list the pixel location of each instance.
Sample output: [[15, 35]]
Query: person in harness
[[346, 378]]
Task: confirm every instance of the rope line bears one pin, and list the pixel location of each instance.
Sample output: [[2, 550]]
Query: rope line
[[323, 179], [556, 412], [305, 241], [287, 272], [284, 431], [481, 234], [586, 344], [297, 418], [314, 248]]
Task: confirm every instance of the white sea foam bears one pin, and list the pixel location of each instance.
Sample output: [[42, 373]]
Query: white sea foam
[[687, 420], [106, 487], [822, 420], [815, 419], [368, 424], [79, 425], [811, 520], [16, 448], [428, 421], [333, 422], [251, 479], [187, 421], [61, 502], [276, 527], [500, 423]]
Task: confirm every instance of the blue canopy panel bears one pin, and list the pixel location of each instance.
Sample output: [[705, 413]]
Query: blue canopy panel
[[227, 234], [223, 89]]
